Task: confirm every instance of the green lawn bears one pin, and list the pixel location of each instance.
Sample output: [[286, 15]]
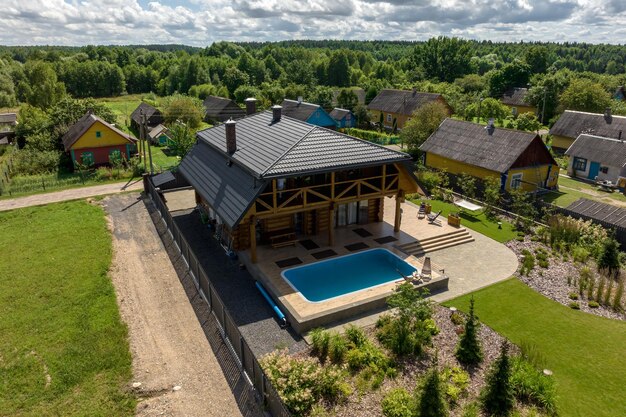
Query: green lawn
[[160, 159], [476, 221], [123, 106], [585, 352], [58, 315]]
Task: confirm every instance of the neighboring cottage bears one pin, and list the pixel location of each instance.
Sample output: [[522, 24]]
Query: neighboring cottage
[[597, 157], [343, 118], [153, 116], [395, 107], [308, 112], [160, 135], [8, 121], [220, 109], [572, 123], [517, 158], [92, 141], [258, 181], [516, 100]]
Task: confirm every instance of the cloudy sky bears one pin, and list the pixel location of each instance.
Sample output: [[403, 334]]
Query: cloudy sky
[[201, 22]]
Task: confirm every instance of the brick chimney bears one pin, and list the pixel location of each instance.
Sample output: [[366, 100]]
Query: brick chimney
[[607, 113], [231, 136], [276, 112], [250, 105]]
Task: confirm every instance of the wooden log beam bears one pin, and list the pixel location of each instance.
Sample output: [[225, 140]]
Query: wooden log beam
[[253, 256], [398, 214]]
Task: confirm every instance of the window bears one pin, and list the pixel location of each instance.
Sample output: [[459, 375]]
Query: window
[[389, 117], [604, 170], [87, 159], [579, 164], [98, 134], [516, 180]]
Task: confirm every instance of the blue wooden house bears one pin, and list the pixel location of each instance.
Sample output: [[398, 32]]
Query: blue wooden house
[[308, 112], [343, 117]]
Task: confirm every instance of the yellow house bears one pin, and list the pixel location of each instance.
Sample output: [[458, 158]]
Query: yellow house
[[515, 99], [572, 123], [519, 159], [395, 107], [93, 141]]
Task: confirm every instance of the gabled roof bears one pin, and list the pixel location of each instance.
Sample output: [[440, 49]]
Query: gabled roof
[[300, 110], [8, 118], [611, 152], [599, 211], [148, 110], [158, 130], [222, 109], [267, 149], [573, 123], [339, 114], [83, 124], [472, 144], [515, 97], [401, 101]]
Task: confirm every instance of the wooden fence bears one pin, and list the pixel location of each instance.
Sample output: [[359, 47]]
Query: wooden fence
[[237, 345]]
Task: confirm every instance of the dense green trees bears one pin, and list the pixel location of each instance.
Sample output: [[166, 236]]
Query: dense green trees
[[424, 122], [185, 109], [40, 86], [443, 58], [585, 95]]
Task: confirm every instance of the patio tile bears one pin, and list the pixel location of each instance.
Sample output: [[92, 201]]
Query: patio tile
[[309, 244], [362, 232], [385, 239], [324, 254], [356, 246], [284, 263]]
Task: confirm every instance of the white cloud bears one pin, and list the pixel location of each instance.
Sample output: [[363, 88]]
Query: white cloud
[[201, 22]]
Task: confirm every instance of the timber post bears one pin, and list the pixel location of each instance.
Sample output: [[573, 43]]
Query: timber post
[[331, 225], [398, 215]]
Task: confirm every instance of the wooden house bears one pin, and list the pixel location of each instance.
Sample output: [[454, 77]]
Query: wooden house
[[396, 107], [597, 158], [269, 178], [343, 118], [92, 141], [220, 109], [516, 100], [308, 112], [8, 121], [160, 135], [517, 158], [153, 116], [572, 124]]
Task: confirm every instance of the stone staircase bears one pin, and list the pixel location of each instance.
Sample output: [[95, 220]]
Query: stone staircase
[[421, 247]]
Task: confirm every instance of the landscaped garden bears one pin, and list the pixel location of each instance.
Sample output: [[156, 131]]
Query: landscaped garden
[[64, 349], [571, 189]]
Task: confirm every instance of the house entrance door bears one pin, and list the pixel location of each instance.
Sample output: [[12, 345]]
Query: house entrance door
[[594, 170]]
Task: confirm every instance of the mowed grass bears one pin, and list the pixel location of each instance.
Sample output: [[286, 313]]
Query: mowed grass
[[476, 221], [63, 347], [586, 352]]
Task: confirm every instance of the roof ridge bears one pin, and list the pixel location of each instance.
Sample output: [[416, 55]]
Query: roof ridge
[[287, 151], [594, 114], [496, 128], [602, 137]]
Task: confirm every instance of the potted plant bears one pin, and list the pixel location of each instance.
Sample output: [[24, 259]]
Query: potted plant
[[454, 219]]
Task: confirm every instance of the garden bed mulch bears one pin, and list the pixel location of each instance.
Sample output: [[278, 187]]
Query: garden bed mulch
[[552, 281], [411, 370]]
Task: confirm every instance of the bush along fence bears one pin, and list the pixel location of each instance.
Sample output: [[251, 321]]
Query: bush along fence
[[238, 347], [372, 136]]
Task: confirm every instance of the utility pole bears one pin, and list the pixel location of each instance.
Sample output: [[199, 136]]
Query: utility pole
[[480, 102], [142, 139], [543, 110], [147, 139]]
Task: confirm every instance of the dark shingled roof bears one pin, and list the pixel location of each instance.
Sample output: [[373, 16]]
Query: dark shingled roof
[[148, 110], [599, 211], [611, 152], [515, 97], [8, 118], [573, 123], [222, 109], [83, 124], [267, 149], [156, 131], [471, 143], [338, 114], [300, 110], [401, 101]]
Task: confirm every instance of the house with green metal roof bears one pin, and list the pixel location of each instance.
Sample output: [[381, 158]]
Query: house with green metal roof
[[268, 179]]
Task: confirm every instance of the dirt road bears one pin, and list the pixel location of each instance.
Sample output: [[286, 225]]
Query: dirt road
[[71, 194], [172, 359]]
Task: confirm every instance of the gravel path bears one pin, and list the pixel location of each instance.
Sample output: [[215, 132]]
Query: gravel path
[[172, 358], [71, 194]]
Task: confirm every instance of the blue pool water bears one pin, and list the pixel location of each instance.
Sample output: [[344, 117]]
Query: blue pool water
[[330, 278]]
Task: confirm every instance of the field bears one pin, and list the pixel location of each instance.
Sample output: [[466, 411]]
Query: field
[[63, 350], [123, 106], [584, 351]]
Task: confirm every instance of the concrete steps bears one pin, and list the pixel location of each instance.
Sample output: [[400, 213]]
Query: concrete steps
[[421, 247]]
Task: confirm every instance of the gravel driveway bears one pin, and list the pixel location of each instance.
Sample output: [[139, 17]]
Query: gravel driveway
[[173, 360]]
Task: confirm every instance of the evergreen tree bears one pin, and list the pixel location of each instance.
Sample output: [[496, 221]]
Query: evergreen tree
[[608, 258], [497, 396], [432, 403], [469, 351]]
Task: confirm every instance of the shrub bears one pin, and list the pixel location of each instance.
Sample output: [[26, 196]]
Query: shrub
[[532, 387], [469, 351], [456, 383], [574, 305], [532, 354], [593, 304], [104, 174], [617, 298], [608, 257], [580, 254], [471, 410], [457, 318], [607, 294], [573, 296], [600, 290], [431, 401], [320, 340], [372, 363], [356, 335], [528, 263], [399, 403], [590, 286], [33, 162], [498, 395], [337, 348]]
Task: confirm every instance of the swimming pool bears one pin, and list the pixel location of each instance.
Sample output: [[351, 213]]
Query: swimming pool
[[335, 277]]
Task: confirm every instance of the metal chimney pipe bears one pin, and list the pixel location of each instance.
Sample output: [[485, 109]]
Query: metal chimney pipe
[[250, 105], [276, 113], [231, 136]]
